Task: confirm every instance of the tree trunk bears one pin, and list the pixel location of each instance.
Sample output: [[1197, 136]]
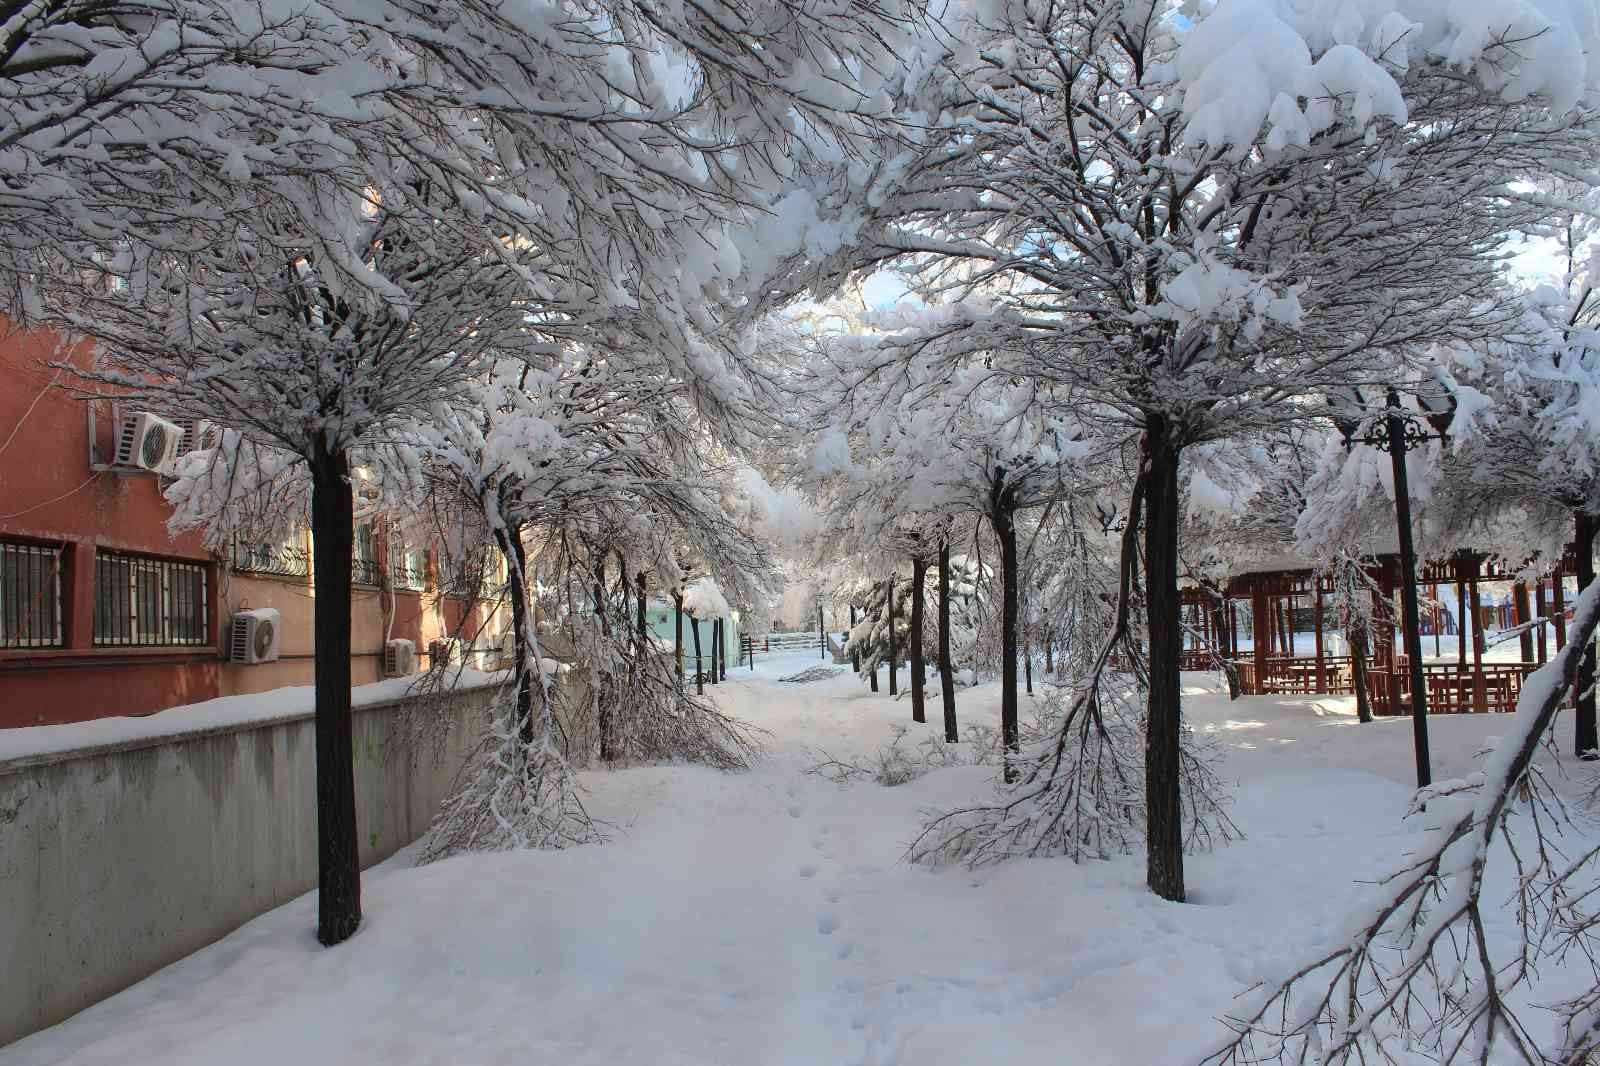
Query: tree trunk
[[677, 638], [1002, 516], [1221, 641], [1049, 653], [510, 543], [338, 857], [1519, 594], [1586, 744], [947, 681], [699, 674], [716, 647], [1164, 829], [642, 632], [919, 578], [603, 710], [855, 653], [722, 649], [1357, 639], [1027, 660], [894, 652]]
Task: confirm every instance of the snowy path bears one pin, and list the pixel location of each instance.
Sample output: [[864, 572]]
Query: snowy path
[[763, 918]]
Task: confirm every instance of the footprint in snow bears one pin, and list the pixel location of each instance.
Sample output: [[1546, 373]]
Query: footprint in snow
[[808, 870], [827, 922], [794, 811]]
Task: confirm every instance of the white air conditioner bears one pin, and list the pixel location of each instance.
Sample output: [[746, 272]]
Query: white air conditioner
[[148, 442], [197, 434], [399, 658], [253, 637]]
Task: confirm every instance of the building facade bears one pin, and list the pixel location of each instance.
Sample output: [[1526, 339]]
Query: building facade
[[103, 612]]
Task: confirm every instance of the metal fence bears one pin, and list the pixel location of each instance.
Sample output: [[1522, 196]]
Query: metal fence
[[144, 601], [30, 596]]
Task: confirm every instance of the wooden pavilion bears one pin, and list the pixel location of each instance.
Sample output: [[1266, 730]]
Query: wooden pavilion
[[1269, 606]]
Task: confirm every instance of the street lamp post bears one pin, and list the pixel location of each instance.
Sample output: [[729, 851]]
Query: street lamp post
[[1401, 432]]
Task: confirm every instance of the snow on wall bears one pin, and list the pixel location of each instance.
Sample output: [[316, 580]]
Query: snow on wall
[[126, 844]]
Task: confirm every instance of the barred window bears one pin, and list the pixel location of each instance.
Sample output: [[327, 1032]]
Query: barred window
[[286, 558], [364, 556], [30, 596], [143, 601], [408, 567]]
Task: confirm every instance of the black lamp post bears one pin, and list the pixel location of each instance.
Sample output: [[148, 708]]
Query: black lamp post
[[1400, 432]]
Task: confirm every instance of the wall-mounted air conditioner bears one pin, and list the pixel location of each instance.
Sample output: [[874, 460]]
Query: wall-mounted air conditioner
[[253, 636], [147, 442], [442, 652], [197, 434], [399, 658]]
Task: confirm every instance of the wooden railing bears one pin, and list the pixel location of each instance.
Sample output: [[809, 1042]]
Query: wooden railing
[[1452, 689]]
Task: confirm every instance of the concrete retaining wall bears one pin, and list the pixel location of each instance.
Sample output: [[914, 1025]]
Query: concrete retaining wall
[[120, 859]]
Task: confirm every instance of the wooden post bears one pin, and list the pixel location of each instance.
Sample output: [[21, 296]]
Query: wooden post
[[1520, 616], [1558, 607], [1261, 634], [1542, 612], [1480, 692], [1317, 624], [1437, 611]]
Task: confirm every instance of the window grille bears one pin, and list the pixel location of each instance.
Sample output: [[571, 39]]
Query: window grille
[[288, 558], [408, 568], [143, 601], [30, 596], [364, 557]]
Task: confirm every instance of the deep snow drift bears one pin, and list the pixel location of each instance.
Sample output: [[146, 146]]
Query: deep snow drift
[[764, 918]]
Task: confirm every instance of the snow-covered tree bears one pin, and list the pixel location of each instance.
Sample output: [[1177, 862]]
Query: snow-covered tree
[[1190, 226]]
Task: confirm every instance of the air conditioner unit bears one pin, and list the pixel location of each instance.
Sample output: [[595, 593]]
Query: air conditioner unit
[[441, 652], [197, 434], [253, 637], [399, 658], [147, 442]]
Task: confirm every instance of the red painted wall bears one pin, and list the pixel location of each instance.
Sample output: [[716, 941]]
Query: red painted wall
[[48, 492]]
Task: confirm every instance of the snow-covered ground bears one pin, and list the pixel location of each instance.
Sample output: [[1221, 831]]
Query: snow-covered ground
[[763, 917]]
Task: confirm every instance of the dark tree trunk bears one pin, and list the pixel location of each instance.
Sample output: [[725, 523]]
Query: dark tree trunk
[[1002, 516], [822, 631], [699, 674], [1220, 639], [1585, 741], [716, 647], [894, 652], [1164, 830], [603, 711], [1519, 593], [1027, 659], [1358, 672], [855, 652], [510, 544], [947, 681], [677, 638], [919, 578], [338, 856], [722, 648], [640, 601]]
